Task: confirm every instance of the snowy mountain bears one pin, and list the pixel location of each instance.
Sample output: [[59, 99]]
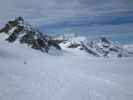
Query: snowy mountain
[[101, 47], [18, 30], [75, 74]]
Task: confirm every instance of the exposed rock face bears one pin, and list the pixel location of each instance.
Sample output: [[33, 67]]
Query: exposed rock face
[[17, 29]]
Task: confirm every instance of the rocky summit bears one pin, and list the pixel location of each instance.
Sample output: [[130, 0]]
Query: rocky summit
[[19, 30]]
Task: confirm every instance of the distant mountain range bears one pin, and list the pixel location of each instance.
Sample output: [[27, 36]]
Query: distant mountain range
[[18, 30]]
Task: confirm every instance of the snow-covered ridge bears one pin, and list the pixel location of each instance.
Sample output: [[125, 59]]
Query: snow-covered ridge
[[101, 47], [17, 30]]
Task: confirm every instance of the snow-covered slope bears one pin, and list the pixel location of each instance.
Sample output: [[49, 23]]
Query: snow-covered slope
[[129, 47], [72, 73], [29, 74]]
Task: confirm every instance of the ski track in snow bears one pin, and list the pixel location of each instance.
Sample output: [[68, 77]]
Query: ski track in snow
[[29, 74]]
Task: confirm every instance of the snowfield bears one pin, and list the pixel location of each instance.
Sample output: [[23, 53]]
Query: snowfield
[[27, 74]]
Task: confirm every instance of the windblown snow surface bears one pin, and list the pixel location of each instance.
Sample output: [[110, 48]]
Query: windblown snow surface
[[27, 74]]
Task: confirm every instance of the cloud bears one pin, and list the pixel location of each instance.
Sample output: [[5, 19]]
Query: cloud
[[52, 11], [72, 15]]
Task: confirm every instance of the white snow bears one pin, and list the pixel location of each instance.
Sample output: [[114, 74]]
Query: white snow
[[27, 74], [129, 47]]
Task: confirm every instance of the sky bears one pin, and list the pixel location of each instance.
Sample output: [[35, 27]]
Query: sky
[[93, 18]]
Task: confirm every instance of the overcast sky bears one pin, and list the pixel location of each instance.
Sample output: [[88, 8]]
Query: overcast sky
[[113, 18]]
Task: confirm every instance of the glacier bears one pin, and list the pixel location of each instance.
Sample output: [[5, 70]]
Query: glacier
[[26, 74]]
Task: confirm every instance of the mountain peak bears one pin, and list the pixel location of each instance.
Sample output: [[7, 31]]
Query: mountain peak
[[105, 40], [18, 29]]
